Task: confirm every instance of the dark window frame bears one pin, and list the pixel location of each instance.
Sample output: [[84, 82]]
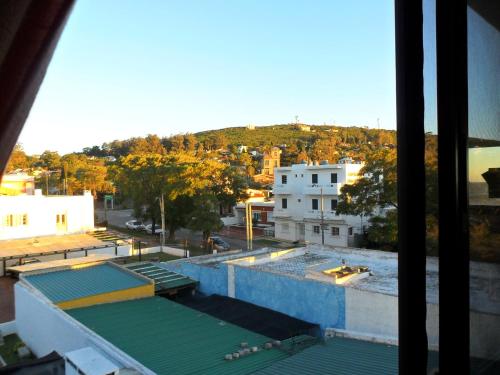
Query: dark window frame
[[315, 202]]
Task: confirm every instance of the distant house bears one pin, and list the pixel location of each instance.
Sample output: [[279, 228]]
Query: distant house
[[17, 184], [271, 160], [241, 149], [306, 198], [304, 128]]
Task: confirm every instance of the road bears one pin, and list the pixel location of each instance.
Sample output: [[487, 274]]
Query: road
[[118, 218]]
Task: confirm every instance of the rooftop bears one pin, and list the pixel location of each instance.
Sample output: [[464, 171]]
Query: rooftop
[[309, 262], [170, 338], [47, 244], [339, 356], [164, 280], [71, 284]]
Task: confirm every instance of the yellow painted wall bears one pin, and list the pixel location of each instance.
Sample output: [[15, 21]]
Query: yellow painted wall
[[143, 291]]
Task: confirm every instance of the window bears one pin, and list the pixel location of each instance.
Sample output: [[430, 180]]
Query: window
[[284, 203], [350, 231], [295, 176], [25, 219], [63, 219], [58, 218], [283, 179], [333, 178], [336, 231], [256, 216], [314, 178], [316, 229], [334, 204], [314, 204]]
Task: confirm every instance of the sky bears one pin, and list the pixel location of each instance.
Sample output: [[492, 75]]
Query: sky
[[128, 68]]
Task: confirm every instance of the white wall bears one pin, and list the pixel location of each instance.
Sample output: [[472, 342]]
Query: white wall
[[41, 214], [44, 328]]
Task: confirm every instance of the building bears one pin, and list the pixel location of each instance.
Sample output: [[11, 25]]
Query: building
[[306, 198], [270, 161], [17, 184], [24, 216]]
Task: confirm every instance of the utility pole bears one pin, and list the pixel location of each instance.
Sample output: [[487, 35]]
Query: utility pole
[[322, 220], [162, 234], [248, 218]]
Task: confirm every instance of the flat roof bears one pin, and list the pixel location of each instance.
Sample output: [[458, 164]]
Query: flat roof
[[67, 285], [60, 263], [170, 338], [307, 262], [47, 244]]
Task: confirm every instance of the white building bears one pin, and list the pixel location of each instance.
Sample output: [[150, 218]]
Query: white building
[[304, 193], [24, 216]]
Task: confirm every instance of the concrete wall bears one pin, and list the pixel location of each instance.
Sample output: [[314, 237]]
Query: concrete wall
[[41, 212], [309, 300], [212, 279], [52, 329]]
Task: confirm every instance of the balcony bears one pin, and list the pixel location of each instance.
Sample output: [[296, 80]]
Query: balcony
[[316, 214], [328, 189], [281, 212], [282, 189]]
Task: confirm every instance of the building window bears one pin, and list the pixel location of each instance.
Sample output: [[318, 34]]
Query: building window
[[295, 176], [283, 179], [334, 204], [335, 231], [333, 178], [316, 229], [25, 219], [256, 216], [58, 218], [314, 178], [314, 204], [350, 231], [284, 203], [63, 219]]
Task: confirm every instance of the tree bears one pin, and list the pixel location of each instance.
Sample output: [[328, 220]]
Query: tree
[[383, 231], [18, 159], [205, 217]]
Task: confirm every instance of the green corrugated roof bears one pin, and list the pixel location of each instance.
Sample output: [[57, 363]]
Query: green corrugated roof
[[339, 356], [164, 279], [67, 285], [170, 338]]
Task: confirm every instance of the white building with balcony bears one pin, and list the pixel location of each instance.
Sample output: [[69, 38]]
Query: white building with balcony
[[306, 198]]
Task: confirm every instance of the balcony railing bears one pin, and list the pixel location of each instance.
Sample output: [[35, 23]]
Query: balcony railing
[[282, 189], [328, 189]]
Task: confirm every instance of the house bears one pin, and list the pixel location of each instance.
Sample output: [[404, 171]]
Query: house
[[17, 184], [24, 216], [241, 149], [306, 197], [270, 161]]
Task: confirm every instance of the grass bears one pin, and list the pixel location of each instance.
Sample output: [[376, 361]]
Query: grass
[[8, 351]]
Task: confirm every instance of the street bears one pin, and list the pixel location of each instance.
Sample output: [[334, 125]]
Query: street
[[118, 218]]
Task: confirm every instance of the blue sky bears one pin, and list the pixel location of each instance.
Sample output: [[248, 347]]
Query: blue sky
[[128, 68]]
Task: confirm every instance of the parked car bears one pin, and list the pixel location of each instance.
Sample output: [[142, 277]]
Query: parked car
[[220, 244], [135, 225], [149, 229]]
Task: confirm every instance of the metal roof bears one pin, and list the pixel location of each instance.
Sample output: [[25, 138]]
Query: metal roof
[[339, 356], [67, 285], [163, 279], [170, 338]]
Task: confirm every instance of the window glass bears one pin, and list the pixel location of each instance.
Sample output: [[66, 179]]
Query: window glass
[[283, 179], [333, 178], [335, 231], [314, 178], [314, 204], [284, 203]]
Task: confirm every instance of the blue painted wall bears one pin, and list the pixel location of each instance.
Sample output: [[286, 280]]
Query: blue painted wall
[[212, 280], [309, 300]]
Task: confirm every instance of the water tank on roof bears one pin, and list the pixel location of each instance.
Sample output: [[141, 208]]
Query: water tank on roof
[[323, 162]]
